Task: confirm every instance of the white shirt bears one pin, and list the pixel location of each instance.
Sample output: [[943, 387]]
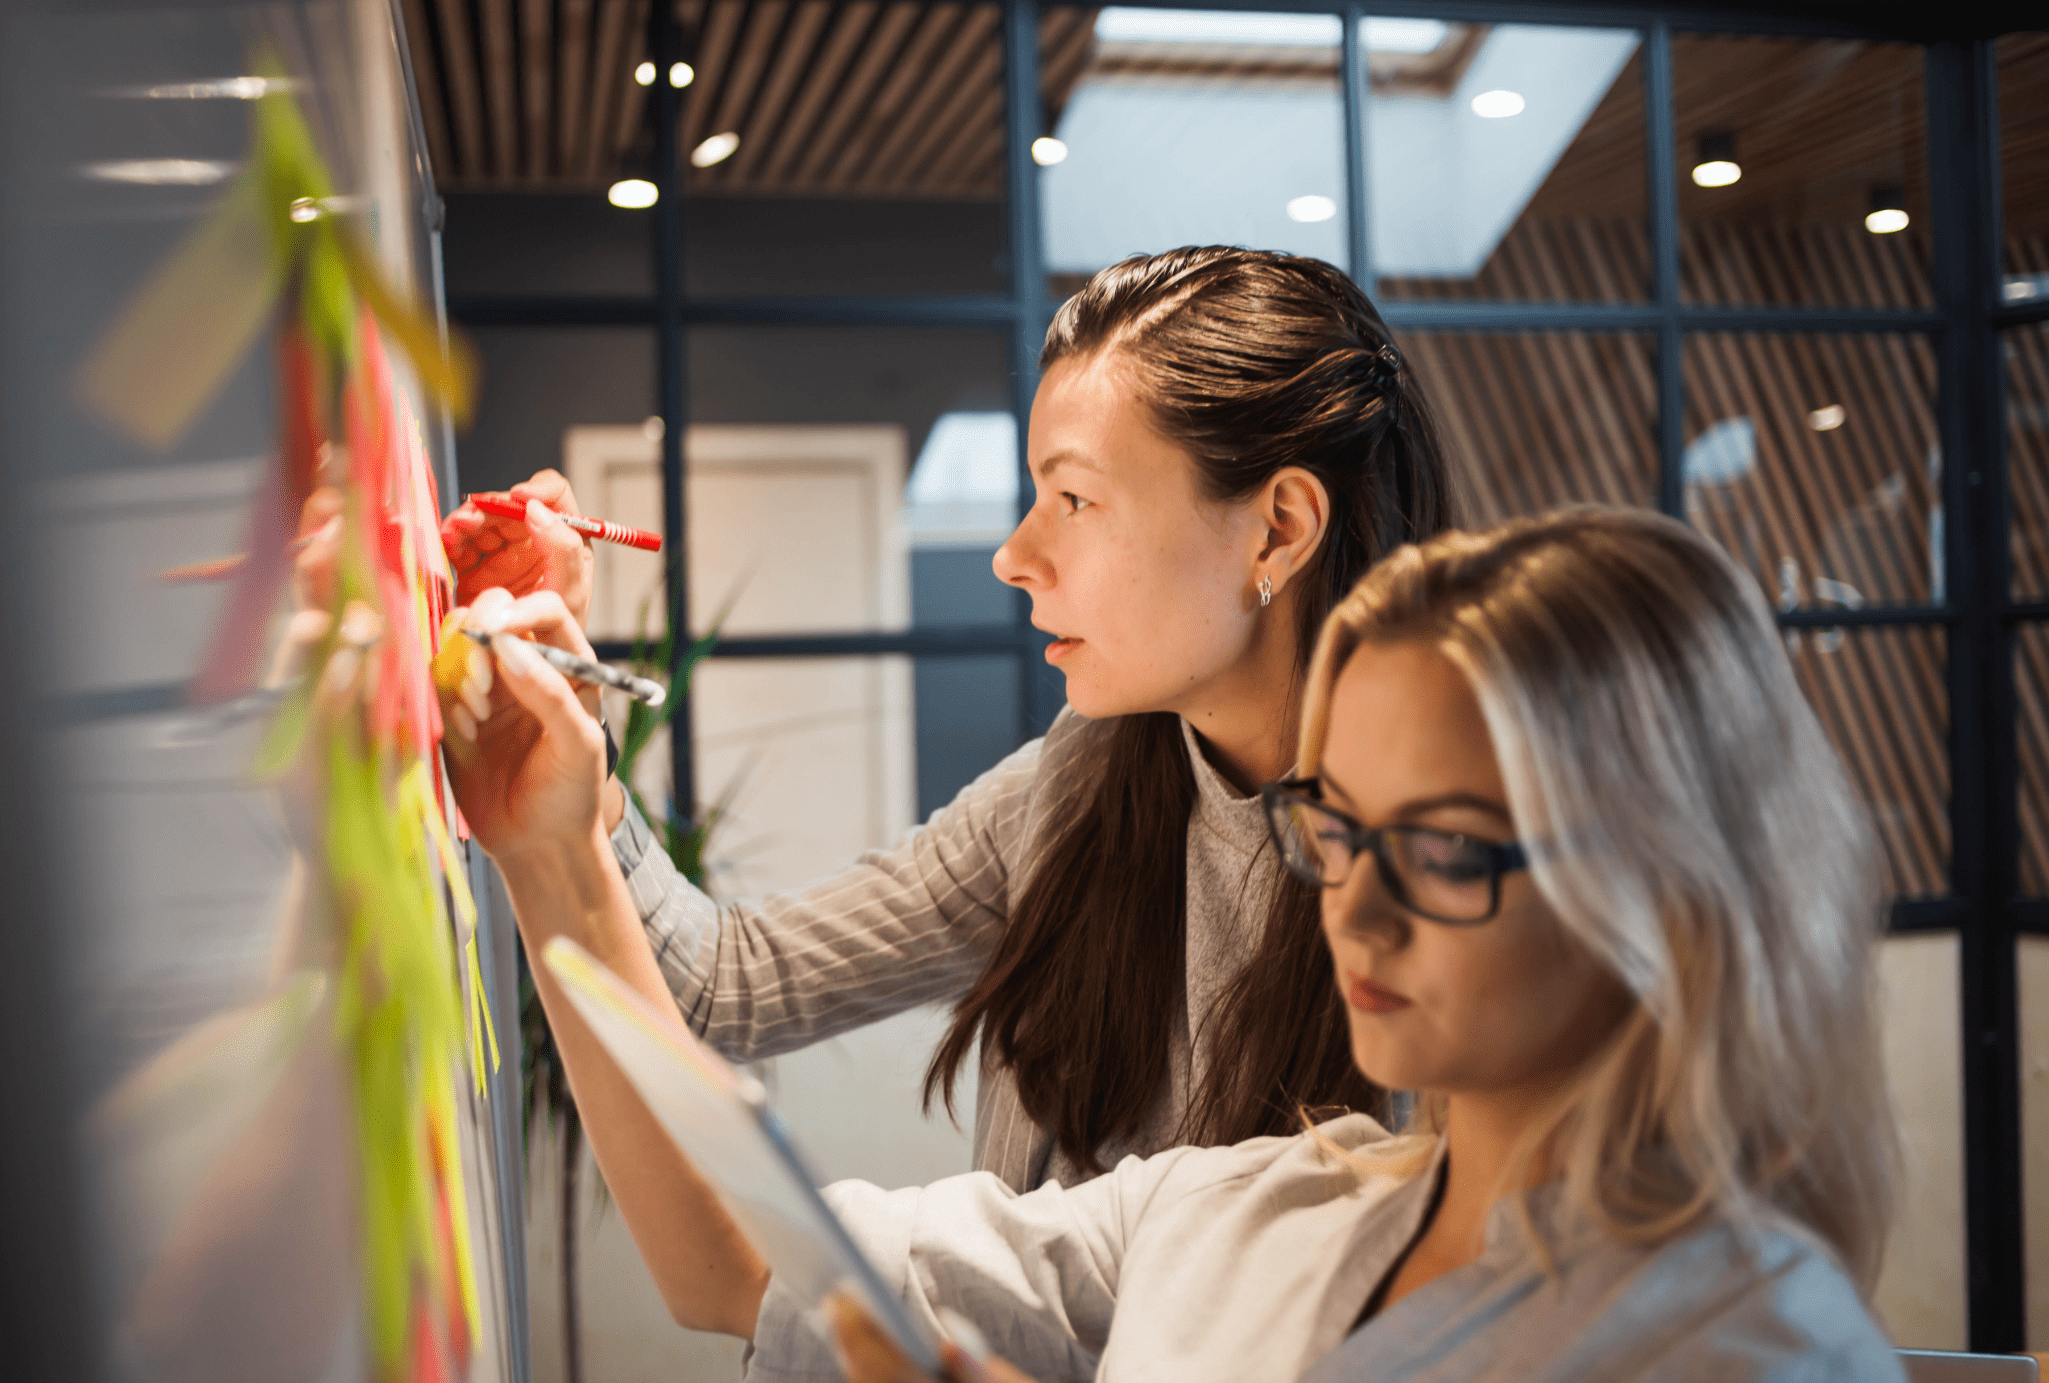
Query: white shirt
[[1253, 1262]]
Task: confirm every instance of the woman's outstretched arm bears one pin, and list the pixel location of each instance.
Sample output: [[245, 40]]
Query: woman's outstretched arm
[[531, 785]]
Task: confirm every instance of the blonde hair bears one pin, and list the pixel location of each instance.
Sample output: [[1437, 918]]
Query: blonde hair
[[1706, 848]]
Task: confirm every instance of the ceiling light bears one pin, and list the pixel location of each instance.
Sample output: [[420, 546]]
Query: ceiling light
[[633, 193], [160, 172], [717, 149], [1717, 166], [680, 74], [645, 74], [1826, 419], [1888, 210], [1497, 105], [1311, 208], [1047, 151]]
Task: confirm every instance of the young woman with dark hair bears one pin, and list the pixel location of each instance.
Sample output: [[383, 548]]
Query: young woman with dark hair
[[1223, 441]]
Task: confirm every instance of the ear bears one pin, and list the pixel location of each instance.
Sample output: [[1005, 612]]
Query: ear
[[1295, 507]]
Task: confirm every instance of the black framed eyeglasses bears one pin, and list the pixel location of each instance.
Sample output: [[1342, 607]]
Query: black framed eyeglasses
[[1441, 875]]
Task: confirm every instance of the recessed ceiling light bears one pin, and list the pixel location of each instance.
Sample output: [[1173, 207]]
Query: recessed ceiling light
[[1888, 210], [633, 193], [160, 172], [1311, 208], [1497, 105], [717, 149], [1047, 151], [1716, 164], [680, 74], [1826, 419], [645, 74]]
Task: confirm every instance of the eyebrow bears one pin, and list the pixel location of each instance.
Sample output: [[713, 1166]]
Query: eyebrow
[[1422, 805], [1069, 457]]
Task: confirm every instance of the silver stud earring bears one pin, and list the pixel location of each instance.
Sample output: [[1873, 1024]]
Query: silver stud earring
[[1266, 591]]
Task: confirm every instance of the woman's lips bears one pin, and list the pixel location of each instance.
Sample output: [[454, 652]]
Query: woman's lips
[[1060, 648], [1369, 997]]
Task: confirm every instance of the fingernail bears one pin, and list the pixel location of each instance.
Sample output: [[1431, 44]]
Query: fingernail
[[460, 721], [539, 515], [480, 669], [329, 530], [478, 702]]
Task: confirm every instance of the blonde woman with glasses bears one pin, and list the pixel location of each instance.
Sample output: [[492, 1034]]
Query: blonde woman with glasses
[[1598, 892]]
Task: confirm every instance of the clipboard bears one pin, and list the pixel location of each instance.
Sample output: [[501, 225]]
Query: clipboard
[[722, 1121]]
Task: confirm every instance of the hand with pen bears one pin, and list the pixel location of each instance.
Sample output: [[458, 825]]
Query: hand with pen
[[525, 755], [522, 555]]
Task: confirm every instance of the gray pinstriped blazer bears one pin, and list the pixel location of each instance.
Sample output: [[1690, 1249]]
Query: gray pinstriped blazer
[[915, 925]]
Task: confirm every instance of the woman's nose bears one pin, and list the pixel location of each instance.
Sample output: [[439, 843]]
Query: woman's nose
[[1363, 908], [1017, 562]]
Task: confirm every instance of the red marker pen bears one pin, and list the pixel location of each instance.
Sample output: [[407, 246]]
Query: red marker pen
[[506, 508]]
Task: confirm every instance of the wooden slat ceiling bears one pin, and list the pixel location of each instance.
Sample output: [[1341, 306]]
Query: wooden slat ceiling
[[830, 98], [851, 98]]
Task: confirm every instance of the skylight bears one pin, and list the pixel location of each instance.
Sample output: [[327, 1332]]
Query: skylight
[[1118, 24], [1122, 24]]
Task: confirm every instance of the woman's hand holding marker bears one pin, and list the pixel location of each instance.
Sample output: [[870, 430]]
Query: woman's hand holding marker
[[536, 552], [523, 781]]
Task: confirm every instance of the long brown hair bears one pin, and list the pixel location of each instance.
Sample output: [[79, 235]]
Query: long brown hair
[[1253, 362]]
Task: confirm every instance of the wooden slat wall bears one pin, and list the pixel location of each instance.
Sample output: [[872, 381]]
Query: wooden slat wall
[[2031, 686], [1539, 419]]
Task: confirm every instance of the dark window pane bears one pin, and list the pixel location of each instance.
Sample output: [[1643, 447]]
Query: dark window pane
[[2027, 455], [543, 244], [957, 586], [2024, 163], [539, 382], [1881, 695], [1507, 163], [967, 720], [871, 133], [1830, 204], [1537, 419], [1813, 459], [1178, 127], [737, 246]]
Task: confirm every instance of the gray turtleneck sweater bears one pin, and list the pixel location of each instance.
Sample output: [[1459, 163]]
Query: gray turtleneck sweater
[[915, 925]]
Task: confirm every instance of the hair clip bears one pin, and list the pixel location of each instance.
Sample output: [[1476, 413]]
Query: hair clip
[[1386, 368]]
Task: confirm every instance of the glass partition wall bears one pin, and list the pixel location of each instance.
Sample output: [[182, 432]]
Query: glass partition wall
[[1784, 280]]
